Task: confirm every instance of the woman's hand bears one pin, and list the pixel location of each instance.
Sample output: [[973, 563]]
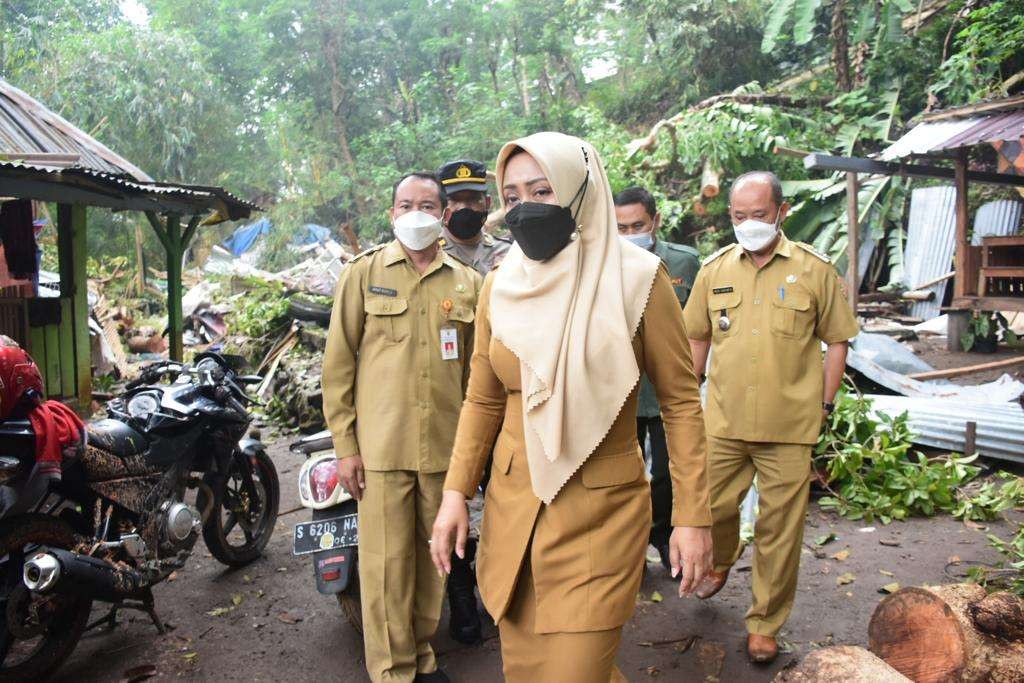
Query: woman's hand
[[452, 520], [689, 551]]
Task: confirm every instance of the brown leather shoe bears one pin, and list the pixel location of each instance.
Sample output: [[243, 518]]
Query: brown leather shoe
[[711, 584], [762, 649]]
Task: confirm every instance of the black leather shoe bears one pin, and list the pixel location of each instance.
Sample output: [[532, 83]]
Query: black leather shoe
[[464, 625], [432, 677]]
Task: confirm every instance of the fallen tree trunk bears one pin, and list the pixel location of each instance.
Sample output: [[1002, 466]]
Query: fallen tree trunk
[[841, 663], [930, 634], [710, 180]]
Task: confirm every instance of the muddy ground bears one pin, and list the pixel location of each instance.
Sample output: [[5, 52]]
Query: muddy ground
[[282, 629]]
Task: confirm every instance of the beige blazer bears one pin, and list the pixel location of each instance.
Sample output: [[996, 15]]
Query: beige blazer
[[588, 546]]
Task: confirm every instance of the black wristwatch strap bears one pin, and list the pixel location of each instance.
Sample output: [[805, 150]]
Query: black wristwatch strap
[[829, 407]]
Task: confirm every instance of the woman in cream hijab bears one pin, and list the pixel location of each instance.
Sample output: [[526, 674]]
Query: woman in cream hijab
[[564, 329]]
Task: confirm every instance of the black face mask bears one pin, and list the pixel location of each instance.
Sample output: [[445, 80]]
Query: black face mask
[[543, 230], [466, 223]]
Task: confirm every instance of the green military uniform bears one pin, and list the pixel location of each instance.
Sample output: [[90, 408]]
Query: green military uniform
[[394, 373], [482, 256], [682, 263], [764, 413]]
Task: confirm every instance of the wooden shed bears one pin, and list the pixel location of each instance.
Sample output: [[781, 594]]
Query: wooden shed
[[978, 143], [45, 158]]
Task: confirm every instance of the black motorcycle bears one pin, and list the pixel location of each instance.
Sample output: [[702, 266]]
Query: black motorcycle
[[168, 464]]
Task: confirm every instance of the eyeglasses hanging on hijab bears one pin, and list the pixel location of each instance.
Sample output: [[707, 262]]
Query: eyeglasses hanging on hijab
[[543, 230]]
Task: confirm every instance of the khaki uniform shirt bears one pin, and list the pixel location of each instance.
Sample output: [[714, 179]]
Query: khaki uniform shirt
[[766, 377], [388, 394], [483, 256]]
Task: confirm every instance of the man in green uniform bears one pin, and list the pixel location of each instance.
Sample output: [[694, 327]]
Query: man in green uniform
[[394, 373], [638, 219], [764, 306], [465, 182]]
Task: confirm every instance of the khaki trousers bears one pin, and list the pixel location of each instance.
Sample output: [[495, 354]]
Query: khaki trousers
[[783, 477], [529, 657], [399, 587]]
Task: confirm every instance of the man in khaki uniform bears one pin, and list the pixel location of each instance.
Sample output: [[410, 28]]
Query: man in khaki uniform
[[465, 183], [394, 373], [763, 307]]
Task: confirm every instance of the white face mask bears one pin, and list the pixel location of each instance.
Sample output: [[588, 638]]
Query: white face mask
[[754, 235], [417, 230]]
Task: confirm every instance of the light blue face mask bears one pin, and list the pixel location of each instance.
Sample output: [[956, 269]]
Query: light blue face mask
[[644, 240]]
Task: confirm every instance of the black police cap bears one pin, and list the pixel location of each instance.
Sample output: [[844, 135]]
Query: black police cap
[[464, 174]]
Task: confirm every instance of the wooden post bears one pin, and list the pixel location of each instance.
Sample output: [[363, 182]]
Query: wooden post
[[960, 179], [140, 274], [970, 438], [852, 240], [175, 324], [72, 255]]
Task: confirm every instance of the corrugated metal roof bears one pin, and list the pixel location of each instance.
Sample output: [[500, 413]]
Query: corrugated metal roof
[[942, 423], [998, 218], [28, 127], [931, 228], [930, 137], [923, 138]]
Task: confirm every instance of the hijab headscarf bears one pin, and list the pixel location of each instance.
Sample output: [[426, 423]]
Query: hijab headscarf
[[570, 320]]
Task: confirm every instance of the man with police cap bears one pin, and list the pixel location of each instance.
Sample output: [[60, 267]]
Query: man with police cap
[[465, 182]]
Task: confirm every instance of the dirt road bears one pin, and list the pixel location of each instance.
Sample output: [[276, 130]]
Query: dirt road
[[268, 623]]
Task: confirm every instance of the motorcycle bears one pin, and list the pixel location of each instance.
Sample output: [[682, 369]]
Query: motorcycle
[[332, 537], [168, 464]]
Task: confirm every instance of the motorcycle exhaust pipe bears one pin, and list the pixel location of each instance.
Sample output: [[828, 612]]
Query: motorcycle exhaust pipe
[[59, 571]]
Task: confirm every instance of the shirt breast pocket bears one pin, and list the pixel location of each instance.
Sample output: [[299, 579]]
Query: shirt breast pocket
[[386, 319], [792, 314], [723, 310]]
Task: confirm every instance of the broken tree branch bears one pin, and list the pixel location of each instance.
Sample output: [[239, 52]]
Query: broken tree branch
[[968, 369]]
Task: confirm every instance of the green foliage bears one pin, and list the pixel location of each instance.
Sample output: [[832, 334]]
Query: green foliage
[[991, 37], [260, 310], [985, 325], [989, 499], [1013, 551], [873, 471]]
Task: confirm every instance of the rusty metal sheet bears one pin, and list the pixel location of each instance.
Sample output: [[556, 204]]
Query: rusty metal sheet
[[924, 137], [1006, 126], [937, 136]]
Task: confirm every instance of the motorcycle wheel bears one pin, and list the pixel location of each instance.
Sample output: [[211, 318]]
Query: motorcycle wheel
[[37, 633], [350, 604], [240, 525]]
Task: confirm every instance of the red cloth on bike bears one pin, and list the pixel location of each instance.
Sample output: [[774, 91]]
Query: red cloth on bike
[[56, 426]]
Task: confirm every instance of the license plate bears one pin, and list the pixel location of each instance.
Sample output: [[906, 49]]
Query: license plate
[[325, 534]]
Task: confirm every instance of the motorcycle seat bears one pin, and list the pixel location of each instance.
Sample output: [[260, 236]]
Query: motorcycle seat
[[115, 437], [313, 443]]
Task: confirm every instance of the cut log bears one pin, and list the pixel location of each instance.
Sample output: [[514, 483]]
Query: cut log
[[710, 180], [1001, 615], [841, 663], [698, 206], [930, 636], [918, 295]]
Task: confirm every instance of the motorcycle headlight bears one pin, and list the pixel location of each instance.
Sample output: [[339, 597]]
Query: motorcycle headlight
[[141, 406]]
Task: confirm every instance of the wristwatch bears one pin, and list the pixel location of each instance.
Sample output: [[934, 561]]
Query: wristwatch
[[829, 407]]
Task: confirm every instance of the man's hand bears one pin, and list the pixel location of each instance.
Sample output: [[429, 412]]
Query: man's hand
[[452, 520], [689, 551], [350, 472]]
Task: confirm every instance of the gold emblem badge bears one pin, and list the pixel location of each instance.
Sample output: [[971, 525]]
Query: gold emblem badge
[[463, 172], [460, 288]]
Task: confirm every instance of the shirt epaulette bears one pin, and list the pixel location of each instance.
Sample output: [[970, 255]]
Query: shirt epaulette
[[811, 250], [718, 253], [376, 247], [682, 248]]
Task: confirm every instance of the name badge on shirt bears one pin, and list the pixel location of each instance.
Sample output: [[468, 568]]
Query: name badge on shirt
[[449, 342], [383, 291]]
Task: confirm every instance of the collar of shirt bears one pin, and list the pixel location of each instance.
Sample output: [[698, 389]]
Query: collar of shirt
[[394, 253], [782, 248]]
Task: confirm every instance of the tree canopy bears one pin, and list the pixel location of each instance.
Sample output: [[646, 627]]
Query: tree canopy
[[316, 106]]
